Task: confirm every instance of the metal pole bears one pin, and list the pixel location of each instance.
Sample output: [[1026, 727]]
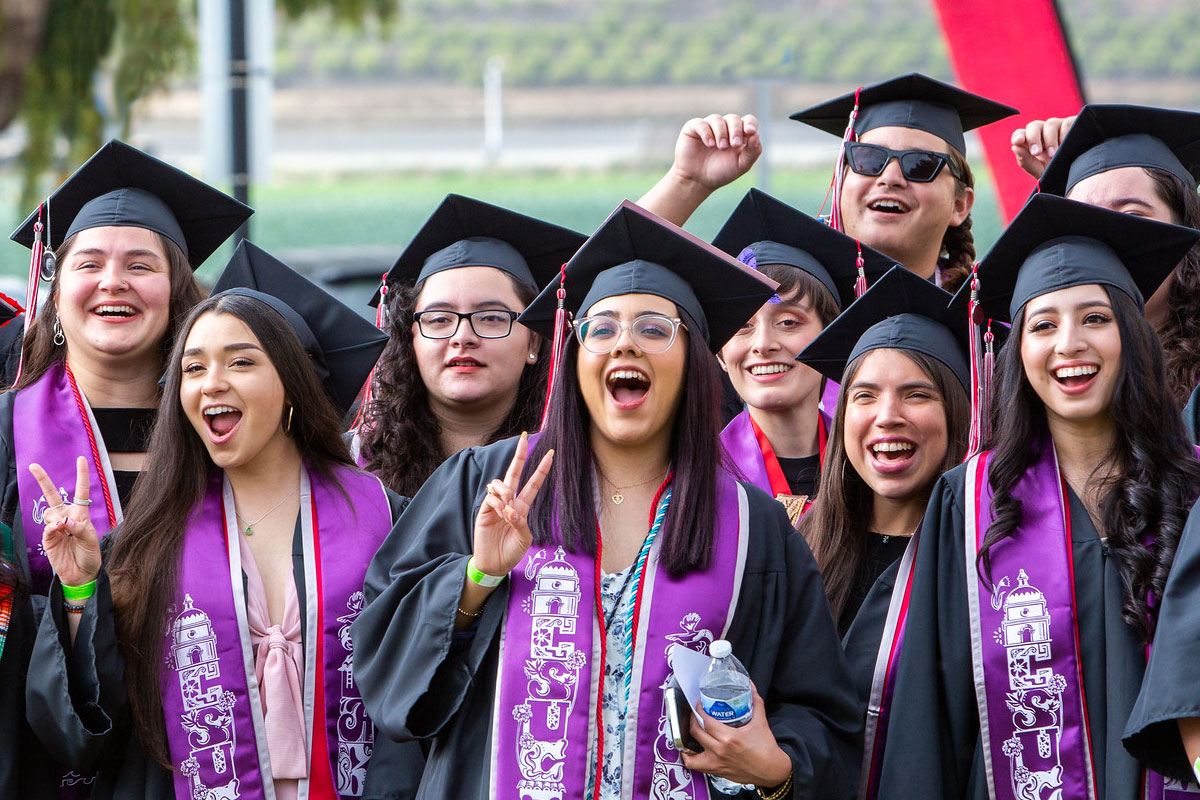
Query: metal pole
[[238, 79], [764, 125]]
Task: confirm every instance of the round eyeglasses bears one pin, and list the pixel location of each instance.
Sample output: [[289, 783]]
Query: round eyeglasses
[[489, 323], [651, 333]]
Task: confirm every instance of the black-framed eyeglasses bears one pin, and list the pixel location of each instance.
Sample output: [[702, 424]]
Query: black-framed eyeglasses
[[488, 323], [651, 333], [919, 166]]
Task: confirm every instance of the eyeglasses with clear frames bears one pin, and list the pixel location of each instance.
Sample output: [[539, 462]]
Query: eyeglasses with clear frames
[[488, 323], [651, 333]]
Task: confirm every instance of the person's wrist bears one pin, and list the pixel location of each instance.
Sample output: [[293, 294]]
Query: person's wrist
[[482, 575], [80, 593], [688, 185], [778, 770]]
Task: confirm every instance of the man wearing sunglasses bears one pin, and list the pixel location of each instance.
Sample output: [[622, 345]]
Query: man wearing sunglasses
[[903, 185]]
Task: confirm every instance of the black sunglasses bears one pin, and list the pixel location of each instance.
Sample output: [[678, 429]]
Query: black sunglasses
[[919, 166]]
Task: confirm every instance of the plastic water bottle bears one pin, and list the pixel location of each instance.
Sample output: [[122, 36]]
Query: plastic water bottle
[[726, 697]]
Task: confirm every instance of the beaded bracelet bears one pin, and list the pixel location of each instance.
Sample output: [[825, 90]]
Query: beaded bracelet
[[71, 608]]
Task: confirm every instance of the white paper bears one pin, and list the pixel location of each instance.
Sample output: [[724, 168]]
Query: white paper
[[689, 667]]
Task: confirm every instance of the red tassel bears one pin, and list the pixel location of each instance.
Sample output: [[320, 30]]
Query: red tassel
[[558, 345], [835, 212], [381, 322], [860, 283], [36, 256]]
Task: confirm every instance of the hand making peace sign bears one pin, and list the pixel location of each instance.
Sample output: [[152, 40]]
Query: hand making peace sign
[[70, 540], [502, 532]]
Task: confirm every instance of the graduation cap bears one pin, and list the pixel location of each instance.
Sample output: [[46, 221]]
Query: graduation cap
[[636, 252], [909, 101], [122, 186], [463, 232], [763, 230], [1108, 137], [901, 311], [1056, 243], [343, 345]]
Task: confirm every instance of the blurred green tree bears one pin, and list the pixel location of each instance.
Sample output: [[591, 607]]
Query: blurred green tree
[[67, 66]]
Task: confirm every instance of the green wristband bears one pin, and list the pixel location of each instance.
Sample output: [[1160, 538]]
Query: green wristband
[[79, 592], [482, 578]]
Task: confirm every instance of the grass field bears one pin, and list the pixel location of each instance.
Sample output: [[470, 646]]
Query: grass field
[[303, 212]]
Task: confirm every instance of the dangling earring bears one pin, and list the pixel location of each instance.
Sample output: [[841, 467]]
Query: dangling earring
[[59, 339], [287, 427]]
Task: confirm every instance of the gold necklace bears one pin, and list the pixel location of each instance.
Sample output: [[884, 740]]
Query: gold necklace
[[619, 498], [250, 525]]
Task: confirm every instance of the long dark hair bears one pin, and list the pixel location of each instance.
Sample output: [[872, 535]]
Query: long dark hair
[[145, 556], [1153, 474], [400, 436], [958, 242], [38, 351], [836, 527], [1180, 331], [695, 454]]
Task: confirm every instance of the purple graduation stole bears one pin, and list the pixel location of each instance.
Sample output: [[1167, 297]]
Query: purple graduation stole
[[549, 680], [210, 694], [52, 426], [754, 457], [1025, 645], [883, 680]]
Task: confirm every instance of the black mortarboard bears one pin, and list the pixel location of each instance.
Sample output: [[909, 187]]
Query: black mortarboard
[[1055, 243], [909, 101], [1106, 137], [900, 311], [463, 232], [763, 230], [343, 345], [122, 186], [636, 252]]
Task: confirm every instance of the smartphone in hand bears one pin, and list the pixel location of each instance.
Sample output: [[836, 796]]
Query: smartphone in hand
[[679, 719]]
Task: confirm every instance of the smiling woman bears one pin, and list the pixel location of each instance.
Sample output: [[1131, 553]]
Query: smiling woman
[[126, 231], [262, 529], [619, 519], [1052, 546], [457, 371]]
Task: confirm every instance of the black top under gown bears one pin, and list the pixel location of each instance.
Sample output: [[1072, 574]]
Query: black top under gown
[[801, 474]]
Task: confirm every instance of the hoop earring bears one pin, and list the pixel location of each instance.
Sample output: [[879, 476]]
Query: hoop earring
[[287, 426], [59, 339]]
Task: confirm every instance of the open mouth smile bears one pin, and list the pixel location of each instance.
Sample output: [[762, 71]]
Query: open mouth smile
[[628, 387], [888, 205], [115, 311], [1075, 378], [892, 455], [222, 422]]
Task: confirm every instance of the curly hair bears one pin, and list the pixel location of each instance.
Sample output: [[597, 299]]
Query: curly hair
[[401, 437], [1153, 474], [958, 243], [1180, 331]]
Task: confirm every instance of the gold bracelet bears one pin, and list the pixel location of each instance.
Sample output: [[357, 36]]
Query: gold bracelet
[[476, 615], [779, 793]]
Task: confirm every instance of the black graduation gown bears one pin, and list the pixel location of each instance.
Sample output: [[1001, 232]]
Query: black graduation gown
[[1169, 690], [861, 641], [26, 769], [78, 706], [421, 680], [933, 748]]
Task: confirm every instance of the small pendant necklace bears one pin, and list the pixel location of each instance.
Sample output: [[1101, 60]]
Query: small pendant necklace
[[619, 498], [250, 525]]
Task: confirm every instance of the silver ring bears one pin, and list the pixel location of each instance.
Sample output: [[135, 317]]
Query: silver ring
[[78, 502], [60, 505]]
